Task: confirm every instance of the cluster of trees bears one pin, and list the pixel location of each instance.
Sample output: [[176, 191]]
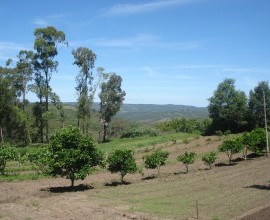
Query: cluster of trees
[[21, 123], [230, 109]]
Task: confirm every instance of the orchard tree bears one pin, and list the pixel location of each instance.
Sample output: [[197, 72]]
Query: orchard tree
[[156, 159], [7, 153], [122, 161], [187, 158], [209, 158], [45, 45], [256, 105], [228, 107], [111, 99], [231, 147], [72, 155]]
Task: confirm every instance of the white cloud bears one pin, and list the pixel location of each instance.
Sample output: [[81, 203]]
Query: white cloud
[[10, 50], [126, 9], [139, 41], [41, 22]]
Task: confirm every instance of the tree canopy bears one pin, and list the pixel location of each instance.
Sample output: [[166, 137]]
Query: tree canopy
[[228, 107]]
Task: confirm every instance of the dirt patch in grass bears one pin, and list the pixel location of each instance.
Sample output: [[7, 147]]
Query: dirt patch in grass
[[223, 192]]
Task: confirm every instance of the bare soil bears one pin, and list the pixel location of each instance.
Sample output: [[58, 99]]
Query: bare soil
[[224, 192]]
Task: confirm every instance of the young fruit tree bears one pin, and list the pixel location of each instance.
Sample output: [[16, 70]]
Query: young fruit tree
[[209, 158], [73, 155], [187, 158], [122, 161], [231, 147], [156, 159]]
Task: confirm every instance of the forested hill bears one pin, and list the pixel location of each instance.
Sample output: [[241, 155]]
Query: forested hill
[[151, 113]]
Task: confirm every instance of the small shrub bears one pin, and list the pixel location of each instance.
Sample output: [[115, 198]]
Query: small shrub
[[231, 147], [209, 158], [219, 133], [187, 158], [122, 161], [156, 159], [7, 153], [227, 132]]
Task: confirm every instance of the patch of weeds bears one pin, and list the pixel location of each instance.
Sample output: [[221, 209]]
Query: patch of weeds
[[216, 218], [208, 139], [186, 141]]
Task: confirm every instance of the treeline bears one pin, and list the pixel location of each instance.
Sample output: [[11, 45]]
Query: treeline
[[33, 70]]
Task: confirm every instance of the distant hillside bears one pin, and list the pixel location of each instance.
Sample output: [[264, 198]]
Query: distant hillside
[[151, 113]]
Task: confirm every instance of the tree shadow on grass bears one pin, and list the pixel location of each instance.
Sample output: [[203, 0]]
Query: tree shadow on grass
[[181, 172], [116, 183], [261, 187], [225, 164], [63, 189], [149, 178]]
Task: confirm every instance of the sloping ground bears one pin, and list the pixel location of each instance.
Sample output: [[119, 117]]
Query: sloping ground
[[225, 192]]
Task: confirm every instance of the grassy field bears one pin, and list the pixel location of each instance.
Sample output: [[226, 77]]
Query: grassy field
[[224, 192]]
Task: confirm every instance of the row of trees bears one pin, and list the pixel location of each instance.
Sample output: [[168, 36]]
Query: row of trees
[[33, 71], [230, 109]]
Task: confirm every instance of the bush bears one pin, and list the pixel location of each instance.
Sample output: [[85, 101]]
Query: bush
[[231, 147], [209, 158], [122, 161], [40, 159], [6, 153], [255, 140], [187, 158], [135, 131], [156, 159], [72, 155]]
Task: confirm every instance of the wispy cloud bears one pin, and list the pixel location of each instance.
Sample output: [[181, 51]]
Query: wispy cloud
[[41, 22], [10, 50], [45, 21], [145, 41], [126, 9]]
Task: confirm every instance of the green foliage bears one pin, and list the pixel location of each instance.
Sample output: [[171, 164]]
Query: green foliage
[[231, 147], [200, 126], [209, 158], [111, 98], [228, 107], [255, 140], [40, 159], [156, 159], [122, 161], [72, 155], [7, 153], [256, 105], [137, 131], [187, 158]]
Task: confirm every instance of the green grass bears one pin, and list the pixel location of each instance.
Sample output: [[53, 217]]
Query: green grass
[[21, 177], [140, 142]]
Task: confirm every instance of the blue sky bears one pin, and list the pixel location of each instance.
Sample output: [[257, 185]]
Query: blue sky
[[167, 51]]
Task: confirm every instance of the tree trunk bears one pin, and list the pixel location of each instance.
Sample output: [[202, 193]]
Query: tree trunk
[[72, 181], [1, 136], [104, 132], [47, 106], [187, 167]]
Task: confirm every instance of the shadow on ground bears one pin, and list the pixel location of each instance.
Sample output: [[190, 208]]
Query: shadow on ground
[[116, 183], [261, 187], [63, 189]]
